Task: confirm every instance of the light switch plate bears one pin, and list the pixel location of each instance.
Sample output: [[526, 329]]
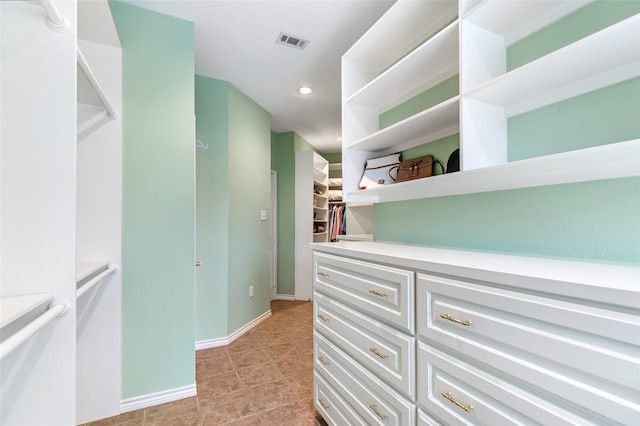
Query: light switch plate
[[263, 215]]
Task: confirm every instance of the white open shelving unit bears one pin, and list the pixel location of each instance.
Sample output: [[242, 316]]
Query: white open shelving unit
[[417, 45]]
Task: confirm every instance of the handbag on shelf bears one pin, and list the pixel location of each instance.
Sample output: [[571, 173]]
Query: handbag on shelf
[[380, 171], [417, 168]]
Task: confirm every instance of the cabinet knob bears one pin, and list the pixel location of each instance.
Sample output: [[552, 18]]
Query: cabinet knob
[[323, 360], [324, 404], [323, 317], [323, 274]]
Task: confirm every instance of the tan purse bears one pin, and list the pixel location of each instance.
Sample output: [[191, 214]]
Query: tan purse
[[417, 168]]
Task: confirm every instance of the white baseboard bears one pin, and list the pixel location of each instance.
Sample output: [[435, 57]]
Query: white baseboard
[[157, 398], [285, 297], [223, 341]]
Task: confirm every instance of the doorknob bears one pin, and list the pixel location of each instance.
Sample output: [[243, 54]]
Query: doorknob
[[198, 263]]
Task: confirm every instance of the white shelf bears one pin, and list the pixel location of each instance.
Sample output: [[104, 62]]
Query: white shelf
[[600, 60], [434, 123], [85, 269], [437, 58], [603, 162], [515, 20], [14, 307], [395, 33], [356, 237]]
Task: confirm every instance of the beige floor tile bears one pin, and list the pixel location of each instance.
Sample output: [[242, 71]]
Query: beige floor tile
[[271, 395], [296, 414], [259, 374], [249, 358], [225, 408], [213, 386]]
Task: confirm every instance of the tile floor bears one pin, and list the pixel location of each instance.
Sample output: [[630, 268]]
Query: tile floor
[[264, 378]]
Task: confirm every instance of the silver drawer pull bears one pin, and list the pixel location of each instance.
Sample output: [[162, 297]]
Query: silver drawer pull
[[448, 396], [324, 404], [323, 360], [377, 293], [323, 318], [323, 274], [456, 320], [374, 407], [381, 355]]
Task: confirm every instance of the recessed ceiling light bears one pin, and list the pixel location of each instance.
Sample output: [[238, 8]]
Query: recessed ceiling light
[[304, 90]]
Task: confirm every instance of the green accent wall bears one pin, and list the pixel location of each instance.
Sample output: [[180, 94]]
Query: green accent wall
[[158, 201], [212, 208], [233, 186], [435, 95], [601, 117], [588, 20], [283, 161], [594, 221], [249, 193]]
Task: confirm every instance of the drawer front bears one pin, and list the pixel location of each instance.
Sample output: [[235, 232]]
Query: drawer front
[[370, 398], [383, 292], [549, 343], [383, 349], [459, 393], [334, 410], [426, 420]]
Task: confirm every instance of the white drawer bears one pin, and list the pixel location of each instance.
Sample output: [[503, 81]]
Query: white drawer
[[594, 361], [426, 420], [459, 393], [383, 292], [334, 410], [384, 350], [368, 396]]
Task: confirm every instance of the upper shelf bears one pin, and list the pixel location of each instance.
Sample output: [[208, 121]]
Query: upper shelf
[[85, 269], [567, 72], [14, 307], [515, 20], [436, 122], [438, 57], [603, 162]]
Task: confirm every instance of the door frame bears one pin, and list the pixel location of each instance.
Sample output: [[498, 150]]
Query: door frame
[[273, 237]]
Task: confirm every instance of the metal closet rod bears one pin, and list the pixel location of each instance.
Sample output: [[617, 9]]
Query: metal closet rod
[[94, 82], [96, 280], [54, 311], [58, 23]]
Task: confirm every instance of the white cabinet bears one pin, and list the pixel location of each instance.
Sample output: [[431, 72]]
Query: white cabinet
[[416, 46], [311, 215], [499, 339], [364, 345]]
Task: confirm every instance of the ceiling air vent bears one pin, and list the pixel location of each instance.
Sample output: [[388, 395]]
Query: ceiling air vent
[[293, 41]]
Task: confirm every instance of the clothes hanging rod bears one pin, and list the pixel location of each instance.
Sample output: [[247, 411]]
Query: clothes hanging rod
[[95, 280], [54, 311], [55, 21], [84, 65]]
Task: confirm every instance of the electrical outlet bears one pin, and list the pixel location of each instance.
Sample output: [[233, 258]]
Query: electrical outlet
[[250, 291]]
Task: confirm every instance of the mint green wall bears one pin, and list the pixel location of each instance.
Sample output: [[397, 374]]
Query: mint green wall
[[233, 185], [158, 201], [425, 100], [604, 116], [212, 208], [594, 220], [585, 21], [249, 193], [283, 161]]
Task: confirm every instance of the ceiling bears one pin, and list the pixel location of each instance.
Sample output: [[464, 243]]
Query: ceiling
[[235, 41]]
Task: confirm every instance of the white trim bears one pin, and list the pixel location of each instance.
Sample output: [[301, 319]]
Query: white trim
[[157, 398], [285, 297], [223, 341]]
